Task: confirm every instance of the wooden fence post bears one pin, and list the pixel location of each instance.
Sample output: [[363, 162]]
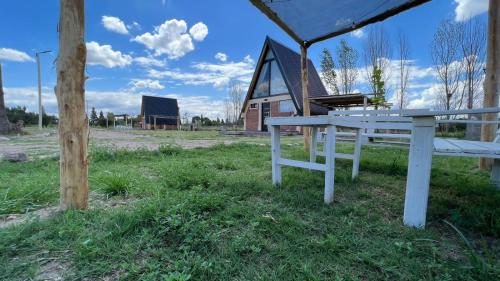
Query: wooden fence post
[[276, 154], [70, 92], [419, 171]]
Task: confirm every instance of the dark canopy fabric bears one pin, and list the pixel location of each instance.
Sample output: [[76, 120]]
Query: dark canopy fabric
[[310, 21]]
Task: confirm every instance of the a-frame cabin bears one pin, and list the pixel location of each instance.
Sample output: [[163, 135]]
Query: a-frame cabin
[[276, 88]]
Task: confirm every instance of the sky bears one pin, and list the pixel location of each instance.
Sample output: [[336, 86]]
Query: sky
[[191, 50]]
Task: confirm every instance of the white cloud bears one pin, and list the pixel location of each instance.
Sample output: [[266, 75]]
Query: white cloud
[[216, 74], [134, 25], [145, 84], [358, 33], [114, 24], [199, 31], [14, 55], [467, 9], [221, 57], [105, 55], [171, 38], [149, 61]]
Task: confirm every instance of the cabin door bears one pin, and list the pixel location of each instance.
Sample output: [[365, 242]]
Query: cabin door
[[266, 112]]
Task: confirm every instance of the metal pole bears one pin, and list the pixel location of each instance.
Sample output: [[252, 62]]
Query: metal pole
[[40, 107], [39, 92]]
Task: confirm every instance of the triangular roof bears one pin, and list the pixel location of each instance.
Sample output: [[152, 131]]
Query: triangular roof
[[288, 62], [159, 106]]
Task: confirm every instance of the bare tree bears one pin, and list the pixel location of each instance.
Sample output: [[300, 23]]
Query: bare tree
[[5, 125], [348, 61], [228, 110], [445, 56], [472, 42], [236, 101], [377, 55], [404, 69], [70, 92]]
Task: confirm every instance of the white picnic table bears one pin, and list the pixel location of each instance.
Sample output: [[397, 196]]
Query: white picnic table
[[423, 144]]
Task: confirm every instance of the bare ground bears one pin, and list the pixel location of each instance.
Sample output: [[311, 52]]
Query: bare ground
[[45, 143]]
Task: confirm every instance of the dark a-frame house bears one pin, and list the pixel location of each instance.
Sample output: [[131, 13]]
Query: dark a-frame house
[[276, 87]]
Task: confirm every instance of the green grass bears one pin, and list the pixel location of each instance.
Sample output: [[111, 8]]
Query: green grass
[[212, 214]]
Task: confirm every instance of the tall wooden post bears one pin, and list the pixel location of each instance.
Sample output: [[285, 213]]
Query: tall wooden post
[[306, 110], [492, 79], [70, 92]]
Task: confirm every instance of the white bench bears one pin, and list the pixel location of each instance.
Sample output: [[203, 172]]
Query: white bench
[[421, 125]]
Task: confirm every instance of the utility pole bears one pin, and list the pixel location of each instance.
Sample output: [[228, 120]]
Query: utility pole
[[40, 109]]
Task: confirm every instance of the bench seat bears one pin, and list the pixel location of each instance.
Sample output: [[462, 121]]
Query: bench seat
[[454, 147]]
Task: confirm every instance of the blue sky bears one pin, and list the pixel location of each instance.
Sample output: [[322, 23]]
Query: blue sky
[[189, 49]]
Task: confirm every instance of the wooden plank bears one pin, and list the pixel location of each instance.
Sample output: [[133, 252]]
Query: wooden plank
[[276, 154], [330, 165], [314, 145], [357, 153], [299, 121], [443, 145], [301, 164], [466, 122], [471, 147], [377, 112], [455, 112], [337, 155], [419, 172]]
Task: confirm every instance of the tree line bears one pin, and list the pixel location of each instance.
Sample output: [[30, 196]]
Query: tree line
[[457, 51], [21, 114]]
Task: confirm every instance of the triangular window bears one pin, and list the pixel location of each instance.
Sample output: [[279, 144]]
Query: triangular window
[[270, 81], [262, 86]]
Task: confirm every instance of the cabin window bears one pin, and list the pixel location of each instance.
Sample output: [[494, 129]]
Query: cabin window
[[254, 106], [262, 86], [278, 85], [287, 106]]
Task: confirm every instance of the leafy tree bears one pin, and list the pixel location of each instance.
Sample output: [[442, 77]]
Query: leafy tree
[[379, 86], [348, 60], [328, 72], [101, 121], [93, 117]]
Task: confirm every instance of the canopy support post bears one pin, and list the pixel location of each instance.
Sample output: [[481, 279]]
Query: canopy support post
[[492, 79], [306, 110]]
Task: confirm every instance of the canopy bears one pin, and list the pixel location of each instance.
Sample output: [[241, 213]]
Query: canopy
[[310, 21]]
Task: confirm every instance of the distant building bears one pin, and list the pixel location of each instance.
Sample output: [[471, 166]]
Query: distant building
[[276, 88], [160, 113]]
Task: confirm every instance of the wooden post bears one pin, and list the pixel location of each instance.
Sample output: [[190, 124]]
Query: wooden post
[[357, 153], [306, 110], [314, 145], [330, 164], [419, 171], [276, 154], [492, 79], [70, 92]]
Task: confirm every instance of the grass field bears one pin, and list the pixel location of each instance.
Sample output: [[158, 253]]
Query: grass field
[[212, 214]]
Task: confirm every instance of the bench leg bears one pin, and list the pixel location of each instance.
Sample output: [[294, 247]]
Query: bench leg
[[495, 173], [314, 145], [276, 154], [330, 164], [357, 153], [419, 172]]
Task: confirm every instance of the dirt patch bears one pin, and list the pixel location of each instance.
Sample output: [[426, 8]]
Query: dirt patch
[[96, 201], [52, 270], [46, 144]]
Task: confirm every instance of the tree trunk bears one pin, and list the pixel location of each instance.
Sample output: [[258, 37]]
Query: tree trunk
[[70, 92], [5, 125], [492, 79], [306, 109]]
